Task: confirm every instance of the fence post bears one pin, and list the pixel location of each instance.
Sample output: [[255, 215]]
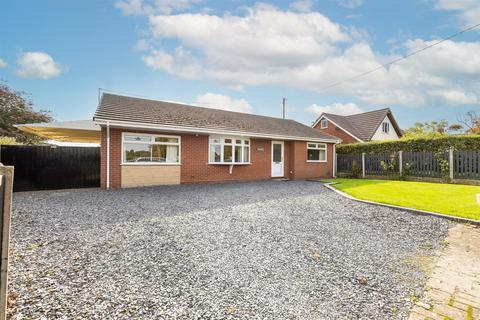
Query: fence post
[[450, 162], [400, 161], [334, 161], [363, 165], [6, 189]]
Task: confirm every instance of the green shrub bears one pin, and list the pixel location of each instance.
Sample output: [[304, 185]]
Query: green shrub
[[8, 140], [439, 144]]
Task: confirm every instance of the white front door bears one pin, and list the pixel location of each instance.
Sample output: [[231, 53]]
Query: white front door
[[277, 159]]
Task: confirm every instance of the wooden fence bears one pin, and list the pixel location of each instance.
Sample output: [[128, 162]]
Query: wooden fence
[[6, 189], [466, 165], [457, 164], [48, 168]]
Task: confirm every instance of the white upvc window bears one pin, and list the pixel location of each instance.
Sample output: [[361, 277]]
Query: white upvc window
[[141, 148], [385, 127], [323, 123], [229, 150], [316, 152]]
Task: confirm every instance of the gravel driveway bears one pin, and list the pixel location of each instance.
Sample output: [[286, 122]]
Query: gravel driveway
[[263, 250]]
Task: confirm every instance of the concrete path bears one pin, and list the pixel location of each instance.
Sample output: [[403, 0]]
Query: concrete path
[[453, 290]]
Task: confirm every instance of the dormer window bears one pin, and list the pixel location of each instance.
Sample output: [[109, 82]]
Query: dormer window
[[323, 124], [386, 127]]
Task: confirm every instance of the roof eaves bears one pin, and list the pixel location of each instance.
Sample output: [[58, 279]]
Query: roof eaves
[[120, 123]]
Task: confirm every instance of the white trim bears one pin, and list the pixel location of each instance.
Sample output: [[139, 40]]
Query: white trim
[[282, 143], [150, 164], [346, 131], [139, 125], [229, 163], [321, 125], [179, 144], [322, 149], [233, 144], [108, 156]]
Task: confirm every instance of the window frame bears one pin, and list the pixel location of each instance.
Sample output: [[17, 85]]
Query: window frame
[[152, 142], [321, 123], [387, 126], [317, 147], [233, 144]]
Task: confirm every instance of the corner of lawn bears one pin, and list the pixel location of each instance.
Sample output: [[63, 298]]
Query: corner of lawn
[[452, 199]]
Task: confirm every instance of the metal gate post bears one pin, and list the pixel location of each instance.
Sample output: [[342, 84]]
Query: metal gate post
[[400, 161], [363, 165], [6, 189], [450, 162]]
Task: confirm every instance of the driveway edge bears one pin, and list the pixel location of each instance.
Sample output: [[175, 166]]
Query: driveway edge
[[329, 185]]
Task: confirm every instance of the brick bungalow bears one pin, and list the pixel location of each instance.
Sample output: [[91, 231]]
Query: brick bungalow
[[147, 142]]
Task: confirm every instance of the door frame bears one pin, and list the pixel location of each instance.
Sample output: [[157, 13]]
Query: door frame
[[282, 143]]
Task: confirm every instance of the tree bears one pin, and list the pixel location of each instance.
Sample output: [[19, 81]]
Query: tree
[[16, 108], [471, 120], [456, 127], [427, 129]]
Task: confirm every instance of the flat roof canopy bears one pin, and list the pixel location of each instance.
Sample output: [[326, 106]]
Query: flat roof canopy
[[66, 131]]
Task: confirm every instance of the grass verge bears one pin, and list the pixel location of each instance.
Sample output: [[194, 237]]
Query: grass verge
[[452, 199]]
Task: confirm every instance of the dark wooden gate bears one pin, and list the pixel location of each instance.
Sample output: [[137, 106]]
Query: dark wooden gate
[[49, 168]]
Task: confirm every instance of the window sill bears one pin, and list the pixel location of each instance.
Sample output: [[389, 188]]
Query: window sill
[[230, 163], [149, 164], [317, 161]]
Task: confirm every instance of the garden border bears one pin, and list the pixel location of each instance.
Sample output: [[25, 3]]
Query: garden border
[[329, 185]]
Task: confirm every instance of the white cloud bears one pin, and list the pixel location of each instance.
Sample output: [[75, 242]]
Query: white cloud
[[351, 4], [38, 65], [3, 64], [141, 7], [302, 5], [220, 101], [268, 46], [468, 10], [343, 109]]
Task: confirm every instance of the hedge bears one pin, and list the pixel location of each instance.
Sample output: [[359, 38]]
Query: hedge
[[459, 142]]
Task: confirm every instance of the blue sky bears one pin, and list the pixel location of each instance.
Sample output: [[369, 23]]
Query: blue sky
[[245, 55]]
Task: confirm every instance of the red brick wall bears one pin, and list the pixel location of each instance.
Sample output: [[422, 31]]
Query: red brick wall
[[308, 170], [337, 132], [115, 158], [195, 167]]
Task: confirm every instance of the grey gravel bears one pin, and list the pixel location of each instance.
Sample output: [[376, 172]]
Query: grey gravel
[[263, 250]]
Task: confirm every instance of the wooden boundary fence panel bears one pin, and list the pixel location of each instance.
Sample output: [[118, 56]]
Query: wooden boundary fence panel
[[6, 189], [373, 162], [422, 164], [346, 162], [49, 168], [466, 164]]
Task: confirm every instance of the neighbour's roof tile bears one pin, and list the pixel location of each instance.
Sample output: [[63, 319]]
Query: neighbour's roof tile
[[363, 125]]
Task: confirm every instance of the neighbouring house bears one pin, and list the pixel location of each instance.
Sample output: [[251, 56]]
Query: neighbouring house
[[377, 125], [148, 142]]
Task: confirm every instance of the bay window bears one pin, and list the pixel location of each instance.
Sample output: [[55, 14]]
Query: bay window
[[151, 149], [223, 150], [316, 152]]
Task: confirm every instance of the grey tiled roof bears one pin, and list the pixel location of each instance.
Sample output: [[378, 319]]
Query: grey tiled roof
[[153, 112], [363, 125]]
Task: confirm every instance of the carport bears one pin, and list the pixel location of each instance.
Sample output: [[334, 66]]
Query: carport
[[48, 167]]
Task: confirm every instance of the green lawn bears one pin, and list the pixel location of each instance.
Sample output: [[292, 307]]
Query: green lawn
[[451, 199]]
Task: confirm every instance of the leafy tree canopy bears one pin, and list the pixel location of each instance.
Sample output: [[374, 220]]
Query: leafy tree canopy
[[16, 108]]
